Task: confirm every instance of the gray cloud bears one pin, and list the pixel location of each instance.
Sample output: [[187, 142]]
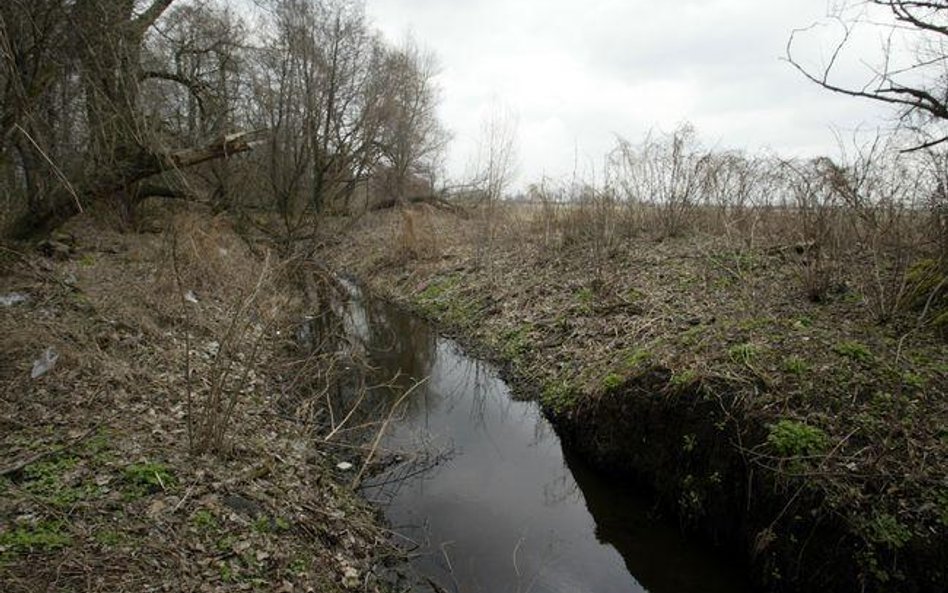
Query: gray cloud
[[578, 73]]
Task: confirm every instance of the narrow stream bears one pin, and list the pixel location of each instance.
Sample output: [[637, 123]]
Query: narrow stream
[[486, 496]]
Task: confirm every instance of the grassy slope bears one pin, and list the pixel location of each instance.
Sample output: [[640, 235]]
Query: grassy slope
[[713, 357], [108, 498]]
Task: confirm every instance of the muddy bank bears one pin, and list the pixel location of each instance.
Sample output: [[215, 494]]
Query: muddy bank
[[802, 436]]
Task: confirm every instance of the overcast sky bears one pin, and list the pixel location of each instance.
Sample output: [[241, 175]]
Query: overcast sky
[[576, 73]]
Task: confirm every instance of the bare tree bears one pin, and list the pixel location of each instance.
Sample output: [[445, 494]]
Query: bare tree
[[909, 73], [318, 85], [495, 167], [101, 43], [412, 138]]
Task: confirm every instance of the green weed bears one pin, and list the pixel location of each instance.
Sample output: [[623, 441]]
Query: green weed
[[44, 480], [802, 322], [689, 442], [97, 446], [436, 288], [913, 380], [683, 377], [886, 529], [692, 335], [585, 297], [943, 507], [42, 537], [298, 566], [147, 478], [637, 357], [514, 342], [790, 438], [854, 351], [108, 538], [558, 396], [434, 300], [611, 381], [795, 365], [266, 524], [204, 520], [743, 353]]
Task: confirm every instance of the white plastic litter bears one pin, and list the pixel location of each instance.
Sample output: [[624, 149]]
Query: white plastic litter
[[13, 298], [344, 465], [212, 348], [190, 297], [44, 363]]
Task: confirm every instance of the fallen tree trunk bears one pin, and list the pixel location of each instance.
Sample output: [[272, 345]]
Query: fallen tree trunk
[[68, 200], [433, 199]]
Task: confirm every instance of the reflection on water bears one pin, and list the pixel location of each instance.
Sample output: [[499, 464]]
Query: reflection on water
[[492, 501]]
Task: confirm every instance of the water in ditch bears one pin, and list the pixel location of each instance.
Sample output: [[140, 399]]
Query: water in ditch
[[485, 496]]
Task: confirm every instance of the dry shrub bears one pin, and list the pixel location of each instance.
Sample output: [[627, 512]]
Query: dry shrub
[[418, 236], [231, 302], [211, 257], [227, 368], [224, 301]]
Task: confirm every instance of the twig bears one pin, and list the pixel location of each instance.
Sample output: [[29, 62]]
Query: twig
[[56, 169], [187, 339], [378, 437]]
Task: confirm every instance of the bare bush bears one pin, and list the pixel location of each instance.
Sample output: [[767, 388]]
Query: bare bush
[[667, 172]]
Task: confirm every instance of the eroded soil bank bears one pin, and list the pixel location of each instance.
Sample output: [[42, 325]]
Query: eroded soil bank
[[804, 435], [486, 495], [113, 477]]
